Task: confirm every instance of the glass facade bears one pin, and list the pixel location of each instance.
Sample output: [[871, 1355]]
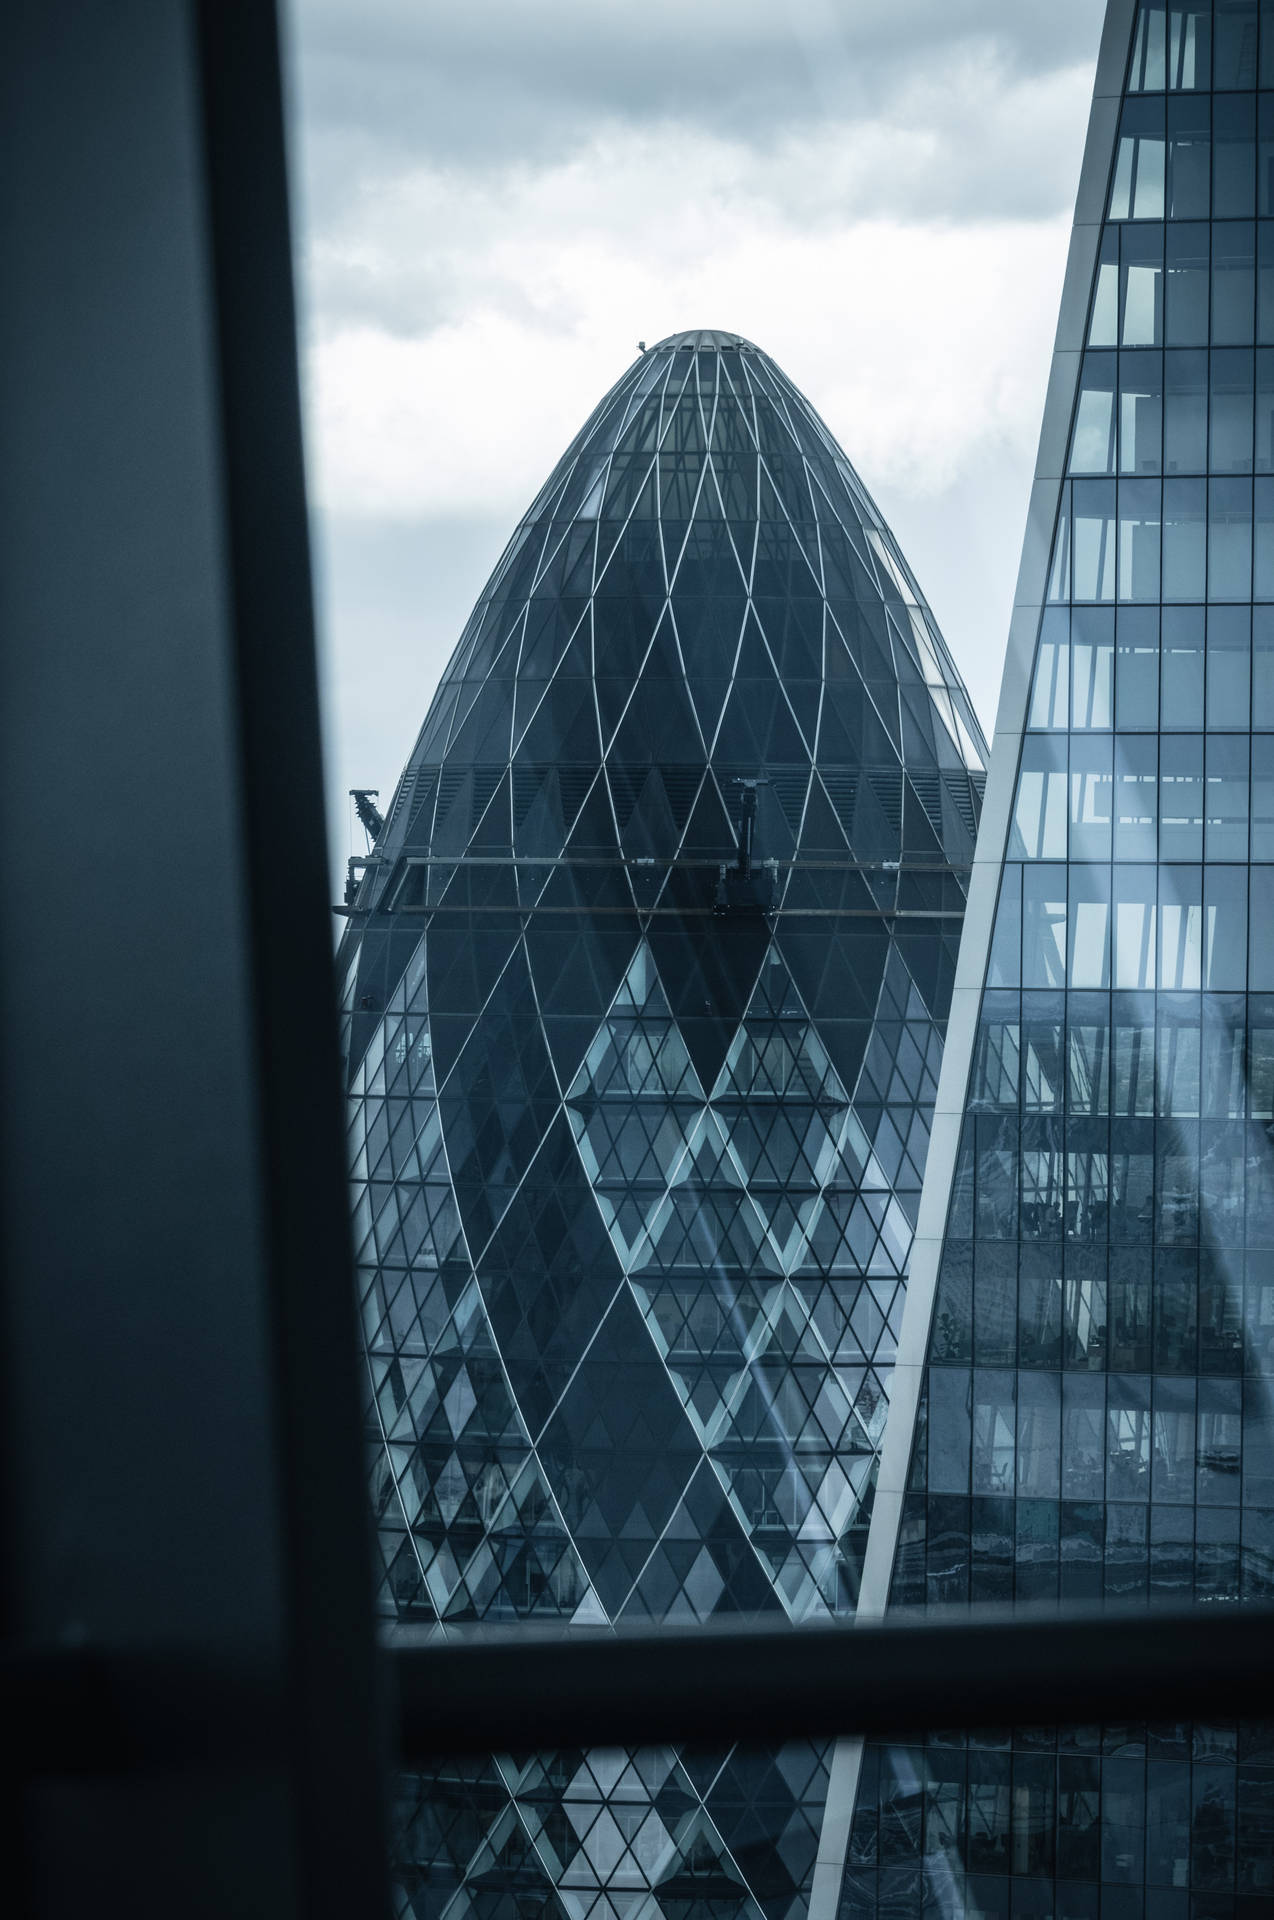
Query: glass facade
[[645, 988], [1095, 1419]]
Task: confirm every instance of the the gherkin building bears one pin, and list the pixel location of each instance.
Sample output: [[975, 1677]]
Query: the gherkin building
[[645, 986]]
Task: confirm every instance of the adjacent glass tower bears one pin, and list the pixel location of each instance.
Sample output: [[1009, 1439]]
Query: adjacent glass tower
[[645, 991], [1084, 1395]]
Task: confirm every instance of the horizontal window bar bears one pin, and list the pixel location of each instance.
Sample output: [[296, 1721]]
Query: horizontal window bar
[[498, 1692], [92, 1711]]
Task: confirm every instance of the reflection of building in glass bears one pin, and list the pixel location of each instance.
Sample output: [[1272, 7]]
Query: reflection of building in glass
[[645, 989], [1092, 1309]]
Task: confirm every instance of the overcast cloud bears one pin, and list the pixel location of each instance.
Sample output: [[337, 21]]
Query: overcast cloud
[[496, 202]]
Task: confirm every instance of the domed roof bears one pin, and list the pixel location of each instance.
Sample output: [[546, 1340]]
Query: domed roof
[[704, 585], [703, 337]]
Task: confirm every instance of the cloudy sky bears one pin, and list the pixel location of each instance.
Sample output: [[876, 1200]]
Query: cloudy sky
[[497, 201]]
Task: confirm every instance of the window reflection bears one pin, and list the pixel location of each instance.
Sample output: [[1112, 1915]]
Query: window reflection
[[1263, 667], [1189, 158], [1224, 1040], [1093, 505], [1043, 926], [1234, 44], [1262, 825], [1263, 540], [1140, 540], [1230, 539], [995, 1077], [1089, 929], [1050, 694], [1229, 667], [1133, 1055], [1039, 828], [1184, 545], [1091, 782], [1181, 800], [1233, 283], [1103, 329], [1135, 926], [1137, 668], [1137, 189], [1186, 282], [1147, 71], [1263, 411], [1004, 968], [1043, 1028], [1141, 284], [1136, 797], [1180, 927], [1226, 799], [1092, 667], [1225, 923], [1140, 412], [1172, 47], [1231, 411], [1265, 139], [1234, 157], [1093, 444], [1182, 663]]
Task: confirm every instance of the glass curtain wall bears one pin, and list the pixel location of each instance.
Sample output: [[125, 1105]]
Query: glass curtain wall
[[1096, 1419], [645, 987]]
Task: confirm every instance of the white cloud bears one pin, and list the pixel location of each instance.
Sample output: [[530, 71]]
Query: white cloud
[[503, 79], [922, 342], [495, 203]]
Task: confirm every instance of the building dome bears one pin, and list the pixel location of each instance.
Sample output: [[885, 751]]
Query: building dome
[[706, 337]]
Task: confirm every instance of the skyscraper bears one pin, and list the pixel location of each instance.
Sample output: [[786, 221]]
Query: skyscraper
[[645, 987], [1082, 1401]]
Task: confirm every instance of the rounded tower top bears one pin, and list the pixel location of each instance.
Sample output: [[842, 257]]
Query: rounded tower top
[[703, 337], [703, 601]]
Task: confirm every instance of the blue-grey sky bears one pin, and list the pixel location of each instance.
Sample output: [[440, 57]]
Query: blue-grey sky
[[496, 202]]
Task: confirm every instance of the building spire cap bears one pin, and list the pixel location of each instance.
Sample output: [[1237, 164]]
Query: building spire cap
[[703, 337]]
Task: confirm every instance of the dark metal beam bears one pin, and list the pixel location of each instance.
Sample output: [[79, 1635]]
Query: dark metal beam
[[500, 1691], [325, 1518], [180, 1479], [497, 1691]]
